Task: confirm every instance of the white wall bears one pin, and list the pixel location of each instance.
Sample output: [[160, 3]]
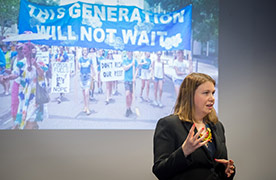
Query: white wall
[[246, 107]]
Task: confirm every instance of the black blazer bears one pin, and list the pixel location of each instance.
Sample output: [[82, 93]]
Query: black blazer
[[169, 159]]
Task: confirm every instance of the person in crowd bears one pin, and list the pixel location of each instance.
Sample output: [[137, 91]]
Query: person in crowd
[[61, 56], [109, 83], [19, 59], [8, 55], [13, 53], [130, 68], [101, 56], [158, 75], [29, 72], [5, 69], [93, 56], [115, 83], [190, 143], [3, 72], [86, 69], [145, 76], [48, 74], [181, 68]]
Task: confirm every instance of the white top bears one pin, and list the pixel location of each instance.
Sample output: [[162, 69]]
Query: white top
[[15, 69], [182, 66], [158, 69]]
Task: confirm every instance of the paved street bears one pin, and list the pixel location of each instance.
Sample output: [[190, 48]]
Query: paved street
[[68, 114]]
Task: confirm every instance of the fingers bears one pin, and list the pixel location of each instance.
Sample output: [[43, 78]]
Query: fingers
[[200, 141], [229, 171], [193, 141], [205, 135], [223, 161], [191, 132], [229, 164], [198, 134], [202, 144]]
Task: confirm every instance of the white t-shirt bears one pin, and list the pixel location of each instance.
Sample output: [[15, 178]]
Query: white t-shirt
[[182, 66], [158, 69]]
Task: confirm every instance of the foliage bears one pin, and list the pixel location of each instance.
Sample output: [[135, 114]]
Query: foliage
[[9, 12], [45, 2]]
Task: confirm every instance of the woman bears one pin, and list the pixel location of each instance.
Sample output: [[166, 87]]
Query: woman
[[16, 82], [145, 66], [85, 66], [29, 72], [4, 69], [130, 68], [190, 144], [181, 68], [109, 83], [92, 54], [158, 74], [100, 57]]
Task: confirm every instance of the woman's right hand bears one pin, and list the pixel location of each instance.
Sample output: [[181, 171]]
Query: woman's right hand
[[193, 141]]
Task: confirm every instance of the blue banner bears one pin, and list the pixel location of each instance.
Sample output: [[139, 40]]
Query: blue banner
[[108, 27]]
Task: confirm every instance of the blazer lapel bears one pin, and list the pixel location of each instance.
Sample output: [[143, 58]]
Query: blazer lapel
[[218, 142]]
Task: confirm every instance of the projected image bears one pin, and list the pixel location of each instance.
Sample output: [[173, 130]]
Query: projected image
[[111, 64]]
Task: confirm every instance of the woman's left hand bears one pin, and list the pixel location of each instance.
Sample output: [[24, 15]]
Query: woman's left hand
[[229, 164]]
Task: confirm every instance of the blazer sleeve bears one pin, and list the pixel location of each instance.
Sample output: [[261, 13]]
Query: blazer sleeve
[[221, 135], [168, 159]]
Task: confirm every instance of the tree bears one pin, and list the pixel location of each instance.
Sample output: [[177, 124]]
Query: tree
[[9, 12], [46, 2]]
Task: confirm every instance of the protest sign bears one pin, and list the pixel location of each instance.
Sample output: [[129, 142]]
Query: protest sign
[[71, 58], [42, 57], [61, 77], [111, 70]]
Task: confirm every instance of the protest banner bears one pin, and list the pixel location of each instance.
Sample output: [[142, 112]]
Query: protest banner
[[61, 77], [107, 27]]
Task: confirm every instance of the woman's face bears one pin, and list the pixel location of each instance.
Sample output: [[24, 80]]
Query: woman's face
[[159, 56], [204, 99], [25, 50], [109, 55], [84, 51], [20, 51], [129, 54], [147, 54], [33, 52], [180, 55]]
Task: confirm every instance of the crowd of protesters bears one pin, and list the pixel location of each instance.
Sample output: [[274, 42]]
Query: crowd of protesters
[[21, 70]]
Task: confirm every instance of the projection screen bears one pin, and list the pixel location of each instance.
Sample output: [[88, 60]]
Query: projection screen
[[107, 64]]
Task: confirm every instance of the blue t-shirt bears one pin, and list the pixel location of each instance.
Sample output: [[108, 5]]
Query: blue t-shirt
[[64, 55], [85, 65], [146, 66], [13, 54], [2, 59], [129, 72], [99, 62]]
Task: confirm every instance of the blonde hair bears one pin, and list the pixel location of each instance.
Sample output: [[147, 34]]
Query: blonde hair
[[184, 106]]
